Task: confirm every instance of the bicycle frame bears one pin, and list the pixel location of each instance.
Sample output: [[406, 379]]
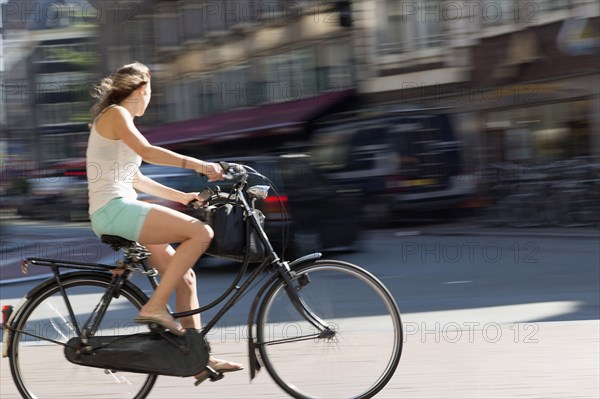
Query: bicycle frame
[[283, 270]]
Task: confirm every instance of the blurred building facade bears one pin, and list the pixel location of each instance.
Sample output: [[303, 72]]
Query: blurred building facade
[[49, 61], [519, 77], [216, 57]]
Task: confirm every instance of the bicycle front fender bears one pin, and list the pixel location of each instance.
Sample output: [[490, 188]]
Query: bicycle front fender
[[253, 360], [305, 258]]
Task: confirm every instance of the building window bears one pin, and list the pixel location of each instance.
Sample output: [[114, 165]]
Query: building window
[[410, 26], [137, 36], [499, 12], [193, 20], [241, 11], [305, 71], [335, 66], [58, 147], [62, 113], [215, 16], [167, 30], [550, 5]]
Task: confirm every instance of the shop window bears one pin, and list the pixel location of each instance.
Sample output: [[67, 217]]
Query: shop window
[[542, 133]]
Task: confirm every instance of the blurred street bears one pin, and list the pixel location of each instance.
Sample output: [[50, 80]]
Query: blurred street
[[482, 116], [487, 312]]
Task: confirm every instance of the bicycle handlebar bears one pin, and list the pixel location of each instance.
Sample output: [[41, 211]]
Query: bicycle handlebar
[[230, 171], [233, 170]]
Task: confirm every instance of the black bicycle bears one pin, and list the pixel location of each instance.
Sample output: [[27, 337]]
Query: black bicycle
[[321, 328]]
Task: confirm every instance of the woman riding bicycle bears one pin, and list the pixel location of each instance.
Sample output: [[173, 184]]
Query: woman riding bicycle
[[115, 151]]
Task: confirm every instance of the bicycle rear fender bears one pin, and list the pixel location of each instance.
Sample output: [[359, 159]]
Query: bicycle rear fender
[[30, 294], [34, 292], [9, 323], [63, 278], [255, 364]]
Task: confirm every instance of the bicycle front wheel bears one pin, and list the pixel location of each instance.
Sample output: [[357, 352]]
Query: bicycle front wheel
[[364, 351], [42, 327]]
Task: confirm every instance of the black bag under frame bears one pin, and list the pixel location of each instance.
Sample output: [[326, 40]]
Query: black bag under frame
[[147, 353]]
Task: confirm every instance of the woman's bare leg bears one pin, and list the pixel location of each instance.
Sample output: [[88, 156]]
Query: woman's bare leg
[[164, 257], [186, 296], [164, 225]]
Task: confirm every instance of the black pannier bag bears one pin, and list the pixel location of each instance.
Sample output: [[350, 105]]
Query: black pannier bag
[[229, 225]]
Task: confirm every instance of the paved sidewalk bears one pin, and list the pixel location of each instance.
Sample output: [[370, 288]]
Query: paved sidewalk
[[553, 360]]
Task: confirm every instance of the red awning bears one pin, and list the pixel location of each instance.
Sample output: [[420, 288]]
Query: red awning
[[278, 118]]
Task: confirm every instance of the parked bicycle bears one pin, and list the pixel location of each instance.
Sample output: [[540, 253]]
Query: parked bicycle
[[562, 193], [321, 328]]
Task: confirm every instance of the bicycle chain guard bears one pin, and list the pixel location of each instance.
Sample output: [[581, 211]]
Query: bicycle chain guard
[[148, 353]]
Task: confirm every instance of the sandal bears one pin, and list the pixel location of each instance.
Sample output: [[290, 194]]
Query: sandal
[[220, 366], [164, 320]]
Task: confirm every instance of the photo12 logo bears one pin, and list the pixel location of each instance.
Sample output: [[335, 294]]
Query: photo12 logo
[[471, 332], [53, 13], [470, 11]]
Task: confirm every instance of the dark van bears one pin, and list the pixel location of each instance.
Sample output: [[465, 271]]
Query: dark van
[[399, 161]]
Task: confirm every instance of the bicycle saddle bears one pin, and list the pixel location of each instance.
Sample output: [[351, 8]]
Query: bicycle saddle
[[116, 242]]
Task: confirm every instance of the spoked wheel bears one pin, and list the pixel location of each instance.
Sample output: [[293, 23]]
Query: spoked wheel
[[360, 354], [39, 366]]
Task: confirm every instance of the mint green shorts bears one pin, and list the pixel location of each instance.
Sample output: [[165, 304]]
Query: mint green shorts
[[121, 217]]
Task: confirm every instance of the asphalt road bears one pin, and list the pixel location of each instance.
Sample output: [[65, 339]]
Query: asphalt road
[[487, 312]]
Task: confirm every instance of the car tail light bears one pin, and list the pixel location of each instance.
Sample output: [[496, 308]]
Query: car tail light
[[24, 266], [272, 207], [75, 173], [396, 184]]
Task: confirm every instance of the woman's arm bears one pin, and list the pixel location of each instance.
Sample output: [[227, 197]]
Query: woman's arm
[[149, 186], [123, 127]]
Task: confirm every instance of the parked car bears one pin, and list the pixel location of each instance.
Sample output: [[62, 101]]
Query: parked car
[[307, 213], [181, 179], [46, 198], [400, 161]]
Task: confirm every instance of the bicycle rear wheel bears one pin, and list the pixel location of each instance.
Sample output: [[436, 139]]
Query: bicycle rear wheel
[[39, 367], [358, 361]]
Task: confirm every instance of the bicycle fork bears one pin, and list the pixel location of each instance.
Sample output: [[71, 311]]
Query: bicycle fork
[[290, 276]]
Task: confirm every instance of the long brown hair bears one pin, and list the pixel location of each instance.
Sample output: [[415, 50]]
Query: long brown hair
[[118, 86]]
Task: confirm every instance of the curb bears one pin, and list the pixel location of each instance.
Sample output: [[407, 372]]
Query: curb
[[474, 231]]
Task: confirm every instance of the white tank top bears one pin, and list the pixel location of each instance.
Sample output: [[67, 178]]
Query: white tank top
[[111, 169]]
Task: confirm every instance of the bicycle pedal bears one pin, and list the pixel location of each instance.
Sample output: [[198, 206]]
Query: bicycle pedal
[[214, 375]]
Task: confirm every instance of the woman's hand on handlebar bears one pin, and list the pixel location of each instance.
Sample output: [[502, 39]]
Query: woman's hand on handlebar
[[212, 170], [188, 198]]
